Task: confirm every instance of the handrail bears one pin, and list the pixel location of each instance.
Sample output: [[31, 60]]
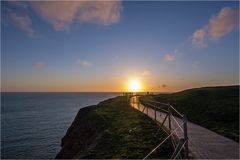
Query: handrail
[[176, 111], [160, 143], [166, 104], [177, 123], [180, 149], [168, 111], [155, 107], [157, 102]]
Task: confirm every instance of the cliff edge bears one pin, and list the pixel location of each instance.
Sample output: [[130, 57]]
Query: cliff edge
[[112, 129]]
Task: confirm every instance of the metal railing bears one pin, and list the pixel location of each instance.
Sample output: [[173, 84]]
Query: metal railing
[[176, 127]]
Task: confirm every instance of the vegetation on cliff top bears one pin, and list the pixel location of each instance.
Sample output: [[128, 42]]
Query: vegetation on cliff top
[[216, 108], [113, 129]]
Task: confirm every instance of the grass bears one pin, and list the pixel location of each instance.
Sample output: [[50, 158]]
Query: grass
[[113, 130], [216, 108]]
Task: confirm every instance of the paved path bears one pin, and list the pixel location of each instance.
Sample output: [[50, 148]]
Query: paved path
[[203, 143]]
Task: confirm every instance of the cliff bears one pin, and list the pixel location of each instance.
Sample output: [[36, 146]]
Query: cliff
[[112, 129]]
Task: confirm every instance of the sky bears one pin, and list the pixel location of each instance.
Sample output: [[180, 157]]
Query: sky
[[87, 46]]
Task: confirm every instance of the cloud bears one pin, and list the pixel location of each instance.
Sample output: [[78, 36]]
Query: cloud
[[38, 65], [23, 22], [219, 25], [198, 37], [146, 73], [160, 86], [164, 85], [223, 23], [176, 51], [169, 57], [195, 65], [116, 57], [172, 56], [21, 4], [85, 63], [213, 80], [61, 14]]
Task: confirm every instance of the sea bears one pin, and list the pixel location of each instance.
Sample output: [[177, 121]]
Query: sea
[[33, 124]]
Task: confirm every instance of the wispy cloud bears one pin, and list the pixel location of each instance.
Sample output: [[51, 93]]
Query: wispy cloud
[[172, 56], [169, 57], [146, 73], [160, 86], [61, 14], [23, 22], [21, 4], [38, 65], [176, 51], [219, 25], [195, 65], [85, 63], [164, 85]]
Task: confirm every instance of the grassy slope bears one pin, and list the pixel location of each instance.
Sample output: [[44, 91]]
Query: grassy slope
[[216, 108], [113, 129]]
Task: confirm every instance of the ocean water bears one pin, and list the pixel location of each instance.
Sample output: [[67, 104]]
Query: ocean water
[[32, 124]]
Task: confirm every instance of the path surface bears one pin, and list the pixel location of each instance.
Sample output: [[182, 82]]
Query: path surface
[[203, 143]]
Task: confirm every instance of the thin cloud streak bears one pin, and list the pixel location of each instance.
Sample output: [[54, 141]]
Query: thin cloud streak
[[85, 63], [146, 73], [23, 22], [172, 56], [195, 65], [38, 65], [169, 57], [164, 85]]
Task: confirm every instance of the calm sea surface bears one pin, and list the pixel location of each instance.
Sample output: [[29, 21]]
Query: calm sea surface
[[32, 124]]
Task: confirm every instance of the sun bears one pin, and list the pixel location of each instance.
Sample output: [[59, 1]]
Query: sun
[[134, 86]]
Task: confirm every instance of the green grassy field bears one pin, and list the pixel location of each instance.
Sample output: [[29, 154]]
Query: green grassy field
[[216, 108], [113, 130]]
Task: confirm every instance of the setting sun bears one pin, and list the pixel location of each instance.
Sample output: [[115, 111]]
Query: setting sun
[[134, 86]]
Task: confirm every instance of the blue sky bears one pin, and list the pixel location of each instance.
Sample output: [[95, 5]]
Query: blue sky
[[168, 46]]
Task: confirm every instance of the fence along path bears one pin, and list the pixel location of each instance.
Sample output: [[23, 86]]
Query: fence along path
[[202, 143]]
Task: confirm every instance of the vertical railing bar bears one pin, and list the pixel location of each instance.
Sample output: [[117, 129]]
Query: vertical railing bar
[[180, 150], [147, 110], [169, 118], [138, 104], [155, 113], [164, 120], [185, 136]]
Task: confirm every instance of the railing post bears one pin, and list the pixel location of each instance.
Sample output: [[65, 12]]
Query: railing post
[[138, 102], [185, 135], [155, 113], [147, 110], [169, 117], [129, 99]]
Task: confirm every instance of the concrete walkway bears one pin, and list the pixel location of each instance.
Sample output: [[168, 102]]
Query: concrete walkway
[[203, 143]]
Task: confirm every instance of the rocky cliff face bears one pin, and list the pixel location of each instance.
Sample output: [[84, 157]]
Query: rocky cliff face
[[82, 135]]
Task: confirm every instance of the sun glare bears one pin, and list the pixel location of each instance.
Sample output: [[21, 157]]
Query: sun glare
[[134, 86]]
